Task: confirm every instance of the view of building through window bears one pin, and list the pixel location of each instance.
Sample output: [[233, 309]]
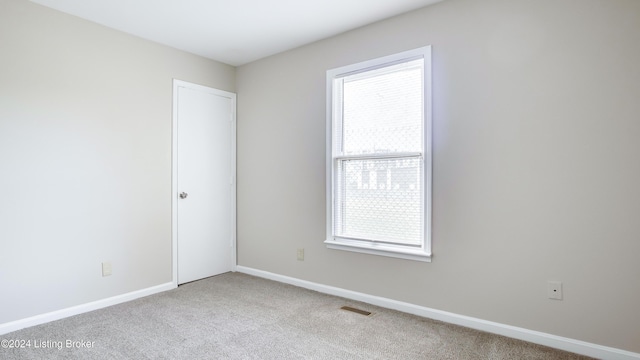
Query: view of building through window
[[379, 168]]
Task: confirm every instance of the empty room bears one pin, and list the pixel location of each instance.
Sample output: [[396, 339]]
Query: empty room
[[388, 179]]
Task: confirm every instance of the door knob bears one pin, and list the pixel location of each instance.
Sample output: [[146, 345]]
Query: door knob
[[183, 195]]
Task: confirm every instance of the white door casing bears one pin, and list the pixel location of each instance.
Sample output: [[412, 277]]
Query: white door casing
[[203, 218]]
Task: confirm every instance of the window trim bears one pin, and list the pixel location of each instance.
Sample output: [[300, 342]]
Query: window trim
[[423, 252]]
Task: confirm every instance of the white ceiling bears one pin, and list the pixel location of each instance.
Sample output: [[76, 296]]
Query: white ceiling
[[234, 31]]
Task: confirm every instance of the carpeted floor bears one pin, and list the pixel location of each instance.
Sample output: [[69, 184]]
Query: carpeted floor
[[237, 316]]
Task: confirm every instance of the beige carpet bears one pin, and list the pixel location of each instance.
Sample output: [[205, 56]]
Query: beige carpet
[[237, 316]]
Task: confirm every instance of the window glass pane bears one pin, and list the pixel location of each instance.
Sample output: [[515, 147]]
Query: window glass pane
[[380, 199], [382, 110]]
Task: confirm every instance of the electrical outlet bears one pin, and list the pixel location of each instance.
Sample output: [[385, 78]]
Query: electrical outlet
[[554, 290], [300, 254], [106, 269]]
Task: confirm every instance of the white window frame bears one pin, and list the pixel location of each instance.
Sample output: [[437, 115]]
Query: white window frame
[[423, 252]]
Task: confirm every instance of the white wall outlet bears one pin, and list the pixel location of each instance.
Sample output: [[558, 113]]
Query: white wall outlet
[[554, 290], [300, 254], [106, 269]]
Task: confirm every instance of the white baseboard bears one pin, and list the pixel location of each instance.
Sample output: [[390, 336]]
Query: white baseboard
[[83, 308], [536, 337]]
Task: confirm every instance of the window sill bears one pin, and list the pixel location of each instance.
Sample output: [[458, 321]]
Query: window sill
[[379, 249]]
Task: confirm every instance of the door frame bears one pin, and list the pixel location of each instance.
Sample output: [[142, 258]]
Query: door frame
[[174, 172]]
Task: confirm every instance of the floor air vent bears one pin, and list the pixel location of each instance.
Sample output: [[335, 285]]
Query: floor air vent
[[357, 311]]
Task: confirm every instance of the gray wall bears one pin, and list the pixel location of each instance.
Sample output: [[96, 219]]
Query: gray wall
[[536, 164], [85, 158]]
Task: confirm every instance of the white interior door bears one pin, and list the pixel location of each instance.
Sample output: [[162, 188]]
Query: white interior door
[[204, 190]]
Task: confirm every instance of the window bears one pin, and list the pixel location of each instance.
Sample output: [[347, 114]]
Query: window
[[379, 156]]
